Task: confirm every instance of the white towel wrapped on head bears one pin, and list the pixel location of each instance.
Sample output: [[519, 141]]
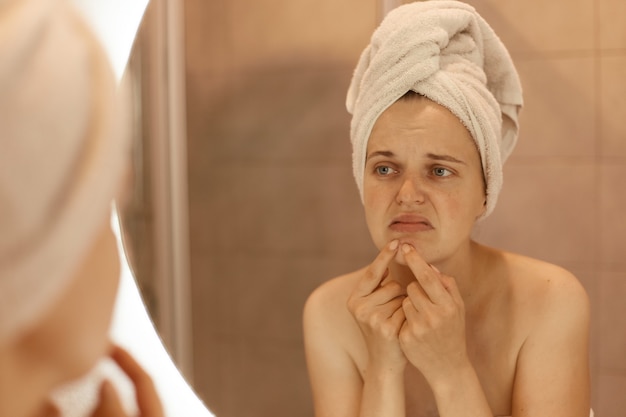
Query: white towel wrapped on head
[[64, 145], [443, 50]]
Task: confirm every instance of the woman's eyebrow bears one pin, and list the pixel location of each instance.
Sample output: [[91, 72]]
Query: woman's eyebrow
[[433, 156], [447, 158], [387, 154]]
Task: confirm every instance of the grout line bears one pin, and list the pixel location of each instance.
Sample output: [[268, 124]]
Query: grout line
[[612, 52], [555, 159], [534, 55], [605, 371], [596, 359]]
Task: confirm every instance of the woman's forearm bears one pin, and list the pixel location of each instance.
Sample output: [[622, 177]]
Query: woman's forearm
[[383, 393], [461, 395]]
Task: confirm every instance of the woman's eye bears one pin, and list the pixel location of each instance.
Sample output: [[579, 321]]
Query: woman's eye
[[441, 172], [384, 170]]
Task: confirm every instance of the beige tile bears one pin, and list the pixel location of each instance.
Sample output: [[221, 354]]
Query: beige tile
[[540, 26], [271, 291], [207, 45], [207, 97], [612, 211], [299, 208], [273, 232], [613, 105], [612, 401], [244, 216], [213, 377], [271, 374], [273, 379], [213, 219], [612, 30], [259, 349], [214, 283], [277, 115], [270, 31], [546, 210], [612, 328], [558, 118]]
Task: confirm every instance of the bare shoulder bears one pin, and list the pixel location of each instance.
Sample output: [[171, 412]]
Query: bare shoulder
[[332, 338], [328, 301], [544, 290], [550, 320]]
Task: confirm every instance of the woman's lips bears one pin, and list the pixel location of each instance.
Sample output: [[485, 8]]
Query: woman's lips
[[410, 223]]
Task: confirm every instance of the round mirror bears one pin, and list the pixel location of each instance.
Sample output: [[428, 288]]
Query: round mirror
[[260, 197]]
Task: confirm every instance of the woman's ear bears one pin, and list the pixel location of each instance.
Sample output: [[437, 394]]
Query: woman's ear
[[483, 209]]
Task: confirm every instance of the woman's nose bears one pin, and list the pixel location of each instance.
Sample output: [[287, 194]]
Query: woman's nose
[[410, 192]]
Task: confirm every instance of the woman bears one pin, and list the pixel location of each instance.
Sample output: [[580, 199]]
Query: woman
[[438, 324], [64, 151]]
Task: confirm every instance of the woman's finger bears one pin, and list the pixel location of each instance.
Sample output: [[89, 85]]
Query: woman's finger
[[385, 293], [109, 404], [449, 284], [398, 317], [411, 313], [418, 297], [428, 279], [148, 400], [376, 271], [378, 305]]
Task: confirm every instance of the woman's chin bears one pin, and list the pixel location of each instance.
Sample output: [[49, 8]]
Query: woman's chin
[[424, 252]]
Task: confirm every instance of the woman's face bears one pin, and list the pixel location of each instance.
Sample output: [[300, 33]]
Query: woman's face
[[423, 182]]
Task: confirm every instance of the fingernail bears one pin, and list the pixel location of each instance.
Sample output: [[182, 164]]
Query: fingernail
[[393, 245], [435, 268], [406, 248]]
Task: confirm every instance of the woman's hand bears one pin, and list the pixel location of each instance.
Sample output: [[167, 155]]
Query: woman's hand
[[433, 335], [376, 304], [148, 402]]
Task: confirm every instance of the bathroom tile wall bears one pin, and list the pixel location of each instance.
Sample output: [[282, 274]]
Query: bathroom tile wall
[[275, 212], [273, 206], [563, 198]]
